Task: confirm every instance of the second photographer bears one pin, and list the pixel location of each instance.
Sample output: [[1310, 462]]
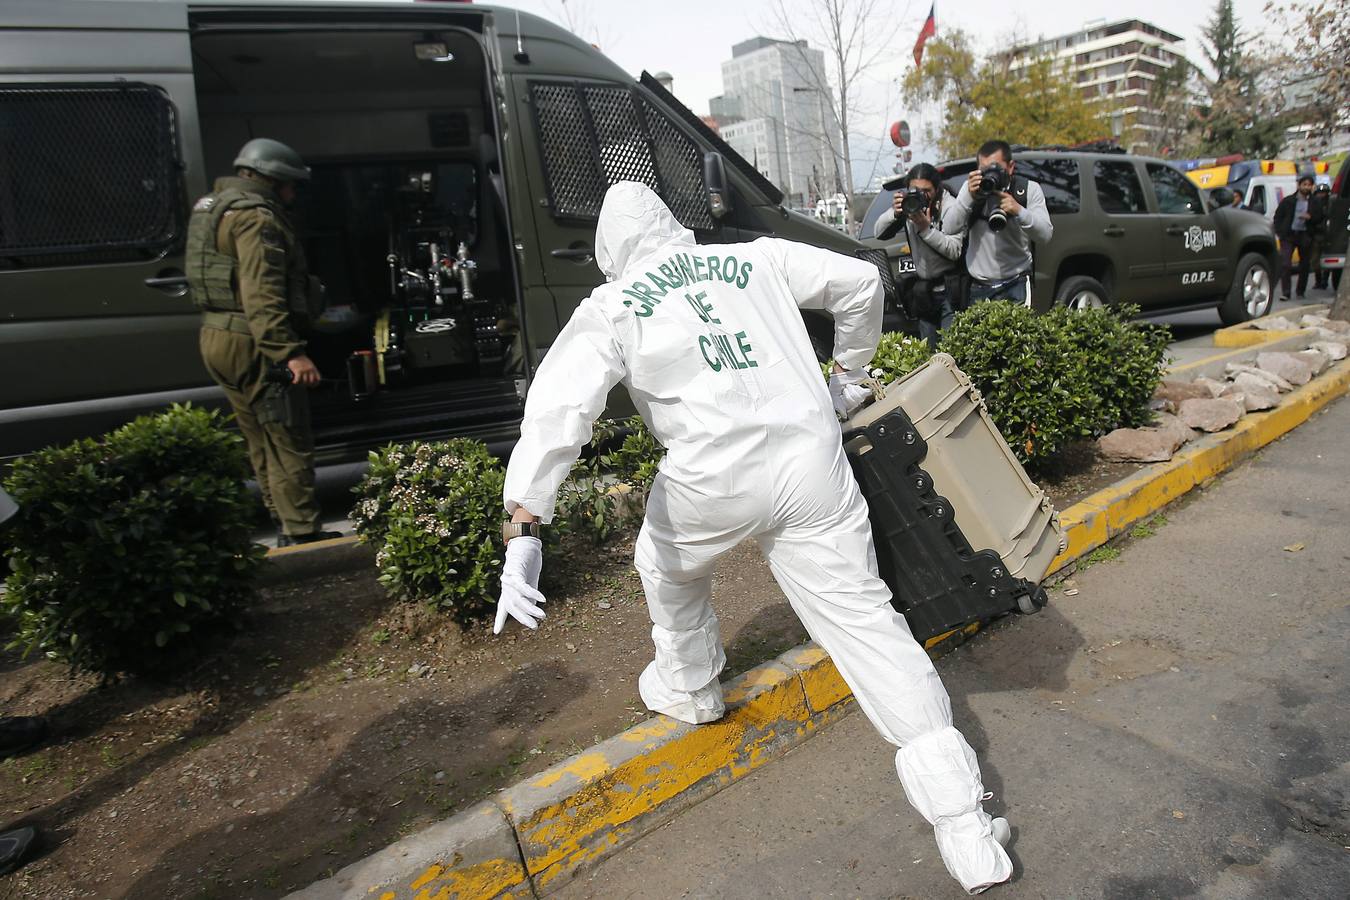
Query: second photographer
[[1004, 214], [922, 207]]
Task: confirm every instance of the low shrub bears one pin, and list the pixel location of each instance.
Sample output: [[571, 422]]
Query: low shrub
[[589, 503], [1058, 377], [433, 513], [1123, 358], [897, 355], [130, 548]]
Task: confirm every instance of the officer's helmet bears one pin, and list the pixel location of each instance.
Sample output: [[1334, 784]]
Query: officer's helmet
[[273, 159]]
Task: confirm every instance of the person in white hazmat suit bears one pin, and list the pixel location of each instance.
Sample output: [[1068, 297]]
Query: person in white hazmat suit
[[710, 343]]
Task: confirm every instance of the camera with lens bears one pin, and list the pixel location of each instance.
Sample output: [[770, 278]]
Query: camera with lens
[[993, 182], [913, 201]]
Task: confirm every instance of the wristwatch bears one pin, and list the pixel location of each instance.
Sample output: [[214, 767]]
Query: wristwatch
[[521, 529]]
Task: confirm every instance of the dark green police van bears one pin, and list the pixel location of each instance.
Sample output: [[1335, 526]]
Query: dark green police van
[[460, 154]]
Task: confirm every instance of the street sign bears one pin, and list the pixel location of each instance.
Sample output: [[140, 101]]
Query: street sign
[[900, 133]]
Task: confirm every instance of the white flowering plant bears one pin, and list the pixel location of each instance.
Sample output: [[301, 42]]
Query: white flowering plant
[[433, 513]]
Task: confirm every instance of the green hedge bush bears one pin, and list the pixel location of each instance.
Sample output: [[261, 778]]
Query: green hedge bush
[[897, 355], [129, 548], [433, 513], [1058, 377], [588, 503]]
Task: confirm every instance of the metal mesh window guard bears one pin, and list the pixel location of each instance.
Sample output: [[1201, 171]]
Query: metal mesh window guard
[[594, 136], [87, 170]]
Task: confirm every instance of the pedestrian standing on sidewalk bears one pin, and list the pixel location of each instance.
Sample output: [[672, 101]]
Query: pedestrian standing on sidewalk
[[1296, 222], [1321, 201], [710, 344]]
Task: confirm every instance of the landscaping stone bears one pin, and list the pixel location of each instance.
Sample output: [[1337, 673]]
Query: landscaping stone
[[1210, 414], [1335, 350], [1315, 358], [1139, 445], [1336, 325], [1174, 426], [1275, 381], [1162, 405], [1275, 323], [1286, 365], [1256, 393], [1215, 387], [1177, 391]]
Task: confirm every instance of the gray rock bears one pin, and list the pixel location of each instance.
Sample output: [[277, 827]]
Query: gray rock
[[1174, 426], [1215, 388], [1162, 404], [1211, 414], [1275, 381], [1253, 397], [1316, 359], [1177, 391], [1274, 323], [1335, 350], [1257, 392], [1139, 445], [1335, 325], [1286, 365], [1326, 334]]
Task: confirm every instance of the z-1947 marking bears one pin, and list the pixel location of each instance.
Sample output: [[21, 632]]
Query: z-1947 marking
[[1197, 277]]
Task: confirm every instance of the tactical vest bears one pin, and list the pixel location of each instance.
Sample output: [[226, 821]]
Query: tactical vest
[[212, 274]]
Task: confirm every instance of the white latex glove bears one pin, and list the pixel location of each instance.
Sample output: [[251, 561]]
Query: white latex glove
[[520, 583], [848, 393]]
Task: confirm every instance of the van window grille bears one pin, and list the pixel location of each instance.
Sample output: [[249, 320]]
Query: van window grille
[[87, 169], [593, 136]]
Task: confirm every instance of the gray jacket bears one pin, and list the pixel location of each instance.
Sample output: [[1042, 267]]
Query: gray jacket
[[936, 250], [999, 256]]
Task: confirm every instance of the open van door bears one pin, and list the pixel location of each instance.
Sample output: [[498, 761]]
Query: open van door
[[97, 114]]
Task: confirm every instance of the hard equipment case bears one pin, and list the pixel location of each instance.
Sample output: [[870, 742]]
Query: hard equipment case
[[961, 533]]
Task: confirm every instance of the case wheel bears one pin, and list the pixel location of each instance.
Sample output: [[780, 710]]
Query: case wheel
[[1028, 604]]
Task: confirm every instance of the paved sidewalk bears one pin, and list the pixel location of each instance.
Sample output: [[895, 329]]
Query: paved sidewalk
[[1177, 728]]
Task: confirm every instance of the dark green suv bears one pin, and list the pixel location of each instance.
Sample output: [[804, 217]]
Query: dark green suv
[[1129, 229]]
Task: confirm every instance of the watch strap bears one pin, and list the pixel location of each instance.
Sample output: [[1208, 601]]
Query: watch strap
[[521, 529]]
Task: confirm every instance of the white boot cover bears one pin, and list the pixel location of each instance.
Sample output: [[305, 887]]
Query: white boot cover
[[941, 778], [695, 707]]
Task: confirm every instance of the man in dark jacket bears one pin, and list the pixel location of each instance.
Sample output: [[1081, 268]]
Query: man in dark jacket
[[1297, 221]]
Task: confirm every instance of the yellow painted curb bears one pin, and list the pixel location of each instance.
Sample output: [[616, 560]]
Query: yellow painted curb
[[538, 833], [1112, 510], [1248, 335]]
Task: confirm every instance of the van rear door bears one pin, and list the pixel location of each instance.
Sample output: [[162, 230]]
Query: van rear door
[[97, 114]]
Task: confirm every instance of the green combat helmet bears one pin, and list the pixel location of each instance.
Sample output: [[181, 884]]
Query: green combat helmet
[[273, 159]]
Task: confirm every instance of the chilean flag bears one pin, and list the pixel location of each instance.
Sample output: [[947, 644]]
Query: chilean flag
[[928, 30]]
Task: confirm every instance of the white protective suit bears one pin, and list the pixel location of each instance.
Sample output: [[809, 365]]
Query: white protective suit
[[710, 344]]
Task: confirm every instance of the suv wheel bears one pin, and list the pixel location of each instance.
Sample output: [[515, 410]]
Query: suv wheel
[[1252, 293], [1081, 293]]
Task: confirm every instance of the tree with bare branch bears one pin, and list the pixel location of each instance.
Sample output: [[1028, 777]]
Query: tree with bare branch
[[856, 36]]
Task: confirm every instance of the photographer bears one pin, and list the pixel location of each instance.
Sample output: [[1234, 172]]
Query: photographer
[[922, 206], [1004, 213]]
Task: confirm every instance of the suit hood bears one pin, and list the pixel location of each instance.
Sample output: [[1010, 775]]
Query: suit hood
[[634, 224]]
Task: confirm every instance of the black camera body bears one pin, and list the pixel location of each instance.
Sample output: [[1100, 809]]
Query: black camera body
[[994, 180], [913, 201]]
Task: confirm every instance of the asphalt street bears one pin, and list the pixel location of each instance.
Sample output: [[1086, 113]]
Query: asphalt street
[[1173, 725]]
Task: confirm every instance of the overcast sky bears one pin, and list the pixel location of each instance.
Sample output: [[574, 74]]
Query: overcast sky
[[691, 38]]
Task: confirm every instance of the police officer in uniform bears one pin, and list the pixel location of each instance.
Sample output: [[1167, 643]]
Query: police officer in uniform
[[248, 275]]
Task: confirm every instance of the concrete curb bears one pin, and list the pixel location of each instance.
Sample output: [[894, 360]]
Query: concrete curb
[[1248, 335], [532, 836]]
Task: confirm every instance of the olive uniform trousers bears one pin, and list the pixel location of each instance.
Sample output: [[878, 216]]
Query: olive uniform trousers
[[282, 453]]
